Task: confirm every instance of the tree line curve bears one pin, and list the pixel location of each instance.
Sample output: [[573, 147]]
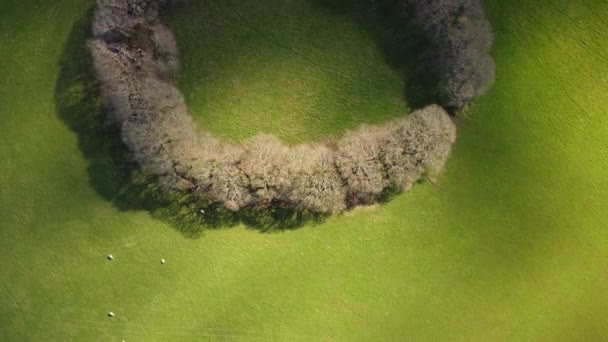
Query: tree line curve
[[136, 59]]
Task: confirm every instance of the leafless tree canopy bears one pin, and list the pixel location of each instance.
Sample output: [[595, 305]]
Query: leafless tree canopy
[[461, 39], [135, 57]]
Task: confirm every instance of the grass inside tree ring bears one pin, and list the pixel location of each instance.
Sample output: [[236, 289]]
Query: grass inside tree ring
[[295, 69]]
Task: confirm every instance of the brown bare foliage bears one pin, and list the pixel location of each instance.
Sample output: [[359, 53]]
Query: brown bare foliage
[[359, 163], [135, 57], [315, 183]]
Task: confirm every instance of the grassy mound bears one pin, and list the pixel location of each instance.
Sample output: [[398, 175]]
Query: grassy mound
[[510, 244]]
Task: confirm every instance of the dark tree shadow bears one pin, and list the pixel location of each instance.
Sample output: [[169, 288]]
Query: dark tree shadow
[[388, 24], [112, 170]]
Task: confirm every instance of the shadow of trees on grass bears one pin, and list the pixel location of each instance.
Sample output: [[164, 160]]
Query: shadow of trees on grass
[[114, 174], [404, 50]]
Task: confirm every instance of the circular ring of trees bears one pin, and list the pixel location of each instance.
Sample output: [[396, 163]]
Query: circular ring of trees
[[135, 57]]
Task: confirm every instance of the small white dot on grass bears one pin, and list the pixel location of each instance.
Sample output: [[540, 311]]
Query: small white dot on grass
[[110, 314], [162, 261], [110, 257]]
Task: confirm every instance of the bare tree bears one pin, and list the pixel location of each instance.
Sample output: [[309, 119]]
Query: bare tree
[[360, 166], [315, 183], [263, 162]]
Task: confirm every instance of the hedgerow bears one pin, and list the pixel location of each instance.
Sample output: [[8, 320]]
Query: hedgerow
[[136, 59]]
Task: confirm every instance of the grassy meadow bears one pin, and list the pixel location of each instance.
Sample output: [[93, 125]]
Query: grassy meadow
[[510, 244]]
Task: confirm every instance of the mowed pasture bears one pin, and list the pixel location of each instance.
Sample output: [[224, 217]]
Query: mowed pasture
[[509, 244]]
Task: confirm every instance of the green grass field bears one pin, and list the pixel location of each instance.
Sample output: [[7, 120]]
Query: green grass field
[[511, 244]]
